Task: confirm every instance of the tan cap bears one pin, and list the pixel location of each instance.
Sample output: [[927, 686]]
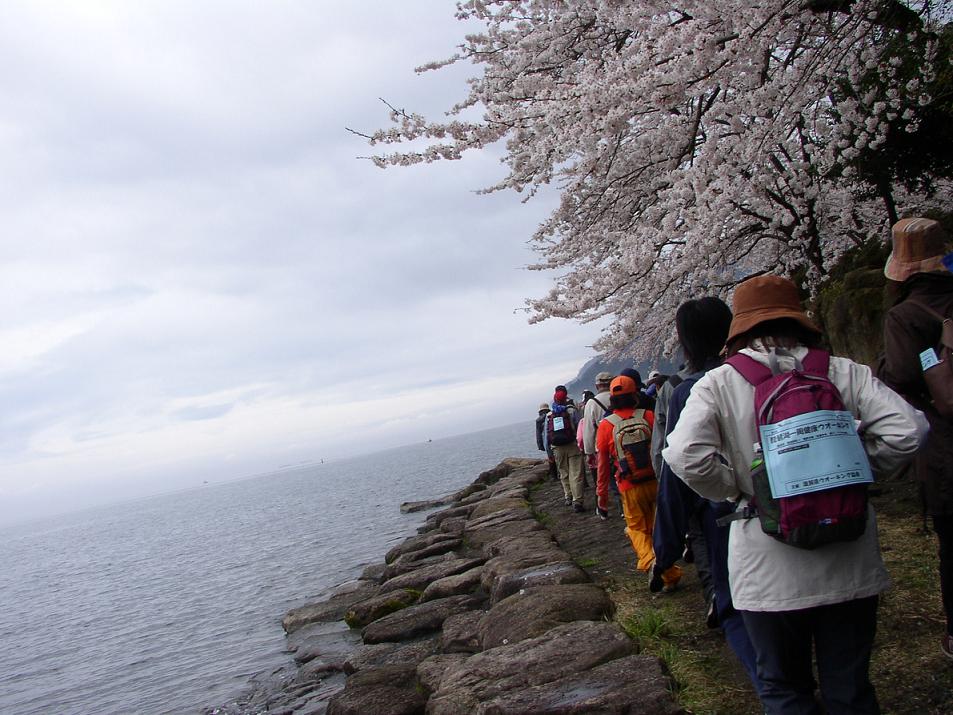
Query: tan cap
[[919, 245]]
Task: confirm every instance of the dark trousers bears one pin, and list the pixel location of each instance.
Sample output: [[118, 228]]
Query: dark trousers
[[731, 621], [842, 636], [943, 526]]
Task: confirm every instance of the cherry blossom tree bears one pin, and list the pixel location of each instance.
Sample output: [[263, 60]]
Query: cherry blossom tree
[[695, 143]]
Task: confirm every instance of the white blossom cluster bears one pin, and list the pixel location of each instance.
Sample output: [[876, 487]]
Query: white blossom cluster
[[694, 143]]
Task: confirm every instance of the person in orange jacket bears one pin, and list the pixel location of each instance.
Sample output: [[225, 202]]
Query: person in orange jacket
[[637, 492]]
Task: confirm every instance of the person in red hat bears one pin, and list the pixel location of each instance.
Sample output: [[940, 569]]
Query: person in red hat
[[561, 428], [631, 457], [918, 274], [799, 606]]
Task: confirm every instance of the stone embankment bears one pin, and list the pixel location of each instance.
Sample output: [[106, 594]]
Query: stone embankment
[[479, 613]]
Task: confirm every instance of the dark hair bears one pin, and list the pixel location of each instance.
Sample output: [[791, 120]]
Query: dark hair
[[634, 374], [702, 327], [780, 332], [619, 402]]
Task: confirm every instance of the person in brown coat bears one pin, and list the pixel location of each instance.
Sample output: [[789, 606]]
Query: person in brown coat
[[925, 295]]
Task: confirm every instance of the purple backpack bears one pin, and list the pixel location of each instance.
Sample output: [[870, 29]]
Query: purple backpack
[[811, 519]]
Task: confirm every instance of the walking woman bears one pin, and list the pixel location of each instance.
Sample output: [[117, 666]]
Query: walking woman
[[797, 604], [924, 290]]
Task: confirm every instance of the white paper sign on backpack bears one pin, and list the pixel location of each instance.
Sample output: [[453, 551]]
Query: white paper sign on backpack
[[812, 452]]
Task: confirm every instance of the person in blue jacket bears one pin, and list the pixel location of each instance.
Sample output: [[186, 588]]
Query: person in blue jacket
[[702, 327]]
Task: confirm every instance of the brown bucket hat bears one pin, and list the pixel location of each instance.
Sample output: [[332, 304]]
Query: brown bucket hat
[[764, 298], [919, 245]]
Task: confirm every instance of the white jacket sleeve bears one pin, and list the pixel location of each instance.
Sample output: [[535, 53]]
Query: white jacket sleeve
[[891, 428], [589, 426], [695, 450]]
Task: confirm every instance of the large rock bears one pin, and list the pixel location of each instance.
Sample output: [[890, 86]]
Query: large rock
[[415, 543], [532, 612], [364, 612], [502, 565], [455, 511], [406, 564], [409, 507], [549, 574], [420, 578], [461, 583], [460, 633], [497, 504], [498, 517], [417, 620], [369, 656], [526, 545], [454, 526], [476, 538], [430, 671], [384, 690], [328, 645], [562, 652], [634, 684], [332, 609]]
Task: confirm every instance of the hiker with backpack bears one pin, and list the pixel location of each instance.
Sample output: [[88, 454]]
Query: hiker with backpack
[[542, 444], [776, 431], [915, 327], [561, 423], [623, 442], [702, 327], [596, 409]]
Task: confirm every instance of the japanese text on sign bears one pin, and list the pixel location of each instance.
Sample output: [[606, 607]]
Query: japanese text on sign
[[812, 452]]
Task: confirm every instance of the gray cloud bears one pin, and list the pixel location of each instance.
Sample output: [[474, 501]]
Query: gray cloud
[[200, 279]]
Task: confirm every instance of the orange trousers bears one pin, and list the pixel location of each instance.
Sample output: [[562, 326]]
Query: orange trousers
[[638, 506]]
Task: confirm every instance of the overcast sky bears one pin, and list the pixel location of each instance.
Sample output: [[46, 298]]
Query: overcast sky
[[201, 280]]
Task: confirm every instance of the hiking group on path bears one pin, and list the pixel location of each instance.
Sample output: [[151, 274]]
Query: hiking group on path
[[754, 460]]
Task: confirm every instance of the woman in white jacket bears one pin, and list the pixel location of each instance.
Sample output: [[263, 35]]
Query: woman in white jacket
[[793, 601]]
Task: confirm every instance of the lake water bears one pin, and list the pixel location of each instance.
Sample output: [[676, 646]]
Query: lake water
[[170, 604]]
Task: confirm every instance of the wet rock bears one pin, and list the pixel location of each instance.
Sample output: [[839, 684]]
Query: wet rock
[[373, 572], [417, 620], [633, 684], [469, 491], [330, 643], [461, 633], [332, 609], [364, 612], [415, 543], [532, 612], [559, 653], [405, 565], [549, 574], [368, 656], [409, 507], [466, 582], [447, 542], [420, 578], [430, 671], [384, 690]]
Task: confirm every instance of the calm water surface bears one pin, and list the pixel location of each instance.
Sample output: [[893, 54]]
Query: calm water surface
[[169, 604]]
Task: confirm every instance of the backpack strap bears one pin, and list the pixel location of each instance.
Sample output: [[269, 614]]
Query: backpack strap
[[751, 370], [596, 400], [817, 362]]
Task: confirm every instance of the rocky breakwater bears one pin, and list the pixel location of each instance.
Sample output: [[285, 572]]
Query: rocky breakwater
[[480, 612]]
